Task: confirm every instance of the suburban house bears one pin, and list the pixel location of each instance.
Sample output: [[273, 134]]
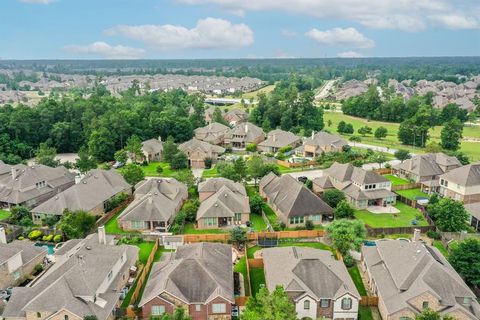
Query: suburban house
[[226, 207], [209, 113], [473, 210], [362, 188], [235, 116], [409, 277], [277, 139], [198, 151], [18, 260], [152, 149], [209, 187], [462, 184], [31, 185], [426, 169], [197, 277], [321, 142], [243, 134], [318, 285], [156, 203], [293, 203], [212, 133], [85, 280], [91, 194]]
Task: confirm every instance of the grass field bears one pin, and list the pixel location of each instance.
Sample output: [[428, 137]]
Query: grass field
[[254, 94], [396, 181], [412, 194], [190, 229], [472, 149], [385, 220], [364, 313], [241, 267], [4, 214], [251, 251], [258, 222], [151, 169], [357, 279], [257, 280]]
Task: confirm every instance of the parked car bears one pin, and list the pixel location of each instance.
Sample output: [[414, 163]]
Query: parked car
[[302, 179], [117, 165]]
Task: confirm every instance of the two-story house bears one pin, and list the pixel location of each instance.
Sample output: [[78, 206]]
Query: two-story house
[[198, 151], [362, 188], [85, 280], [462, 184], [318, 285], [152, 149], [321, 142], [409, 277], [243, 134], [212, 133], [277, 139], [17, 260], [197, 277]]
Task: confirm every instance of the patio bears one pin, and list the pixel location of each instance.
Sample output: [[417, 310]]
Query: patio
[[382, 209]]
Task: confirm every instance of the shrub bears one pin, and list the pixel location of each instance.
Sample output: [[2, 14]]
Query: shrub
[[349, 261], [38, 268], [309, 225], [57, 238], [44, 238], [159, 169], [434, 235], [35, 234], [208, 162], [21, 238], [48, 238]]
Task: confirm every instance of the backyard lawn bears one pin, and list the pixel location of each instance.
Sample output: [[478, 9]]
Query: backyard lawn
[[412, 194], [396, 181], [385, 220], [112, 227], [150, 170], [257, 279], [241, 267], [364, 313], [258, 222], [190, 229], [357, 279], [4, 214], [271, 216], [210, 173], [251, 251], [439, 245]]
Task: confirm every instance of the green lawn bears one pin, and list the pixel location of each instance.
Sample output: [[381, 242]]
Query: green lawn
[[271, 216], [439, 245], [145, 250], [258, 222], [251, 251], [257, 280], [210, 173], [151, 169], [412, 194], [4, 214], [357, 279], [364, 313], [112, 227], [396, 181], [190, 229], [385, 220], [241, 267]]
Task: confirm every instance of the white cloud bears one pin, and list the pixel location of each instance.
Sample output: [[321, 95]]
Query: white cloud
[[105, 50], [37, 1], [288, 33], [455, 21], [209, 33], [407, 15], [350, 54], [347, 37]]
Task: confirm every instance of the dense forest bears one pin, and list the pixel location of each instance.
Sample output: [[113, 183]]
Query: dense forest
[[440, 68]]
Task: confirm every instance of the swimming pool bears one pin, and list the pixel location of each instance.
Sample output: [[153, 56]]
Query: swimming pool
[[50, 247]]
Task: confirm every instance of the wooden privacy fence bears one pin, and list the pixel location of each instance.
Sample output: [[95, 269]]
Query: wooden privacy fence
[[383, 171], [109, 215], [296, 164], [143, 277], [406, 186], [368, 301], [375, 232], [254, 236]]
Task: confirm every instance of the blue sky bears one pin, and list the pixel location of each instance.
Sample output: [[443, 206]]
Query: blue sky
[[88, 29]]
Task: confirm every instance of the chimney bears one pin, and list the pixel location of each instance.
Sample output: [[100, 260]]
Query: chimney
[[102, 238], [416, 235], [160, 138], [14, 173], [313, 134], [246, 128], [3, 236]]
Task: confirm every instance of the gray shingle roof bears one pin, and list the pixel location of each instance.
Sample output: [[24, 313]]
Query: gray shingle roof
[[198, 145], [307, 270], [473, 209], [223, 203], [27, 250], [23, 187], [93, 190], [248, 130], [403, 270], [75, 275], [466, 176], [292, 197], [279, 138], [211, 132], [428, 164], [347, 172], [215, 184], [322, 139], [152, 146], [195, 273]]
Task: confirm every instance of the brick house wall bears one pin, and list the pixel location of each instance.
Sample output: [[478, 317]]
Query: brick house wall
[[325, 312]]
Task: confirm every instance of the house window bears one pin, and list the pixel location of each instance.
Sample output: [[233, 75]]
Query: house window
[[306, 304], [137, 224], [467, 301], [198, 307], [296, 220], [65, 317], [16, 275], [316, 217], [238, 217], [219, 308], [158, 310], [210, 222], [346, 303], [324, 303], [425, 304]]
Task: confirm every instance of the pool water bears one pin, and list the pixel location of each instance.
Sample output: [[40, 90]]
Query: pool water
[[50, 247]]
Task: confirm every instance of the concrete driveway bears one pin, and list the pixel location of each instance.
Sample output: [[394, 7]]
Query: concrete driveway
[[310, 174]]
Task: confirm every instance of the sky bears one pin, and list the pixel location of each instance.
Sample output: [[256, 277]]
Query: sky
[[199, 29]]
